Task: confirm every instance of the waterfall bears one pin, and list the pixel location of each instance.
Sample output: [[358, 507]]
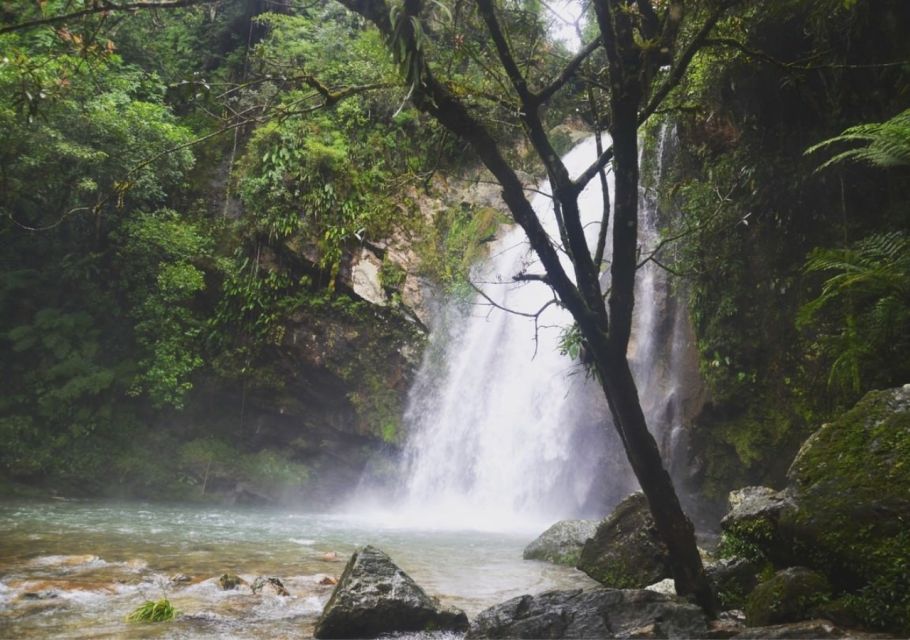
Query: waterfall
[[505, 431]]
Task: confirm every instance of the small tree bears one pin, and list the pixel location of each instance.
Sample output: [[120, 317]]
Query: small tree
[[645, 59]]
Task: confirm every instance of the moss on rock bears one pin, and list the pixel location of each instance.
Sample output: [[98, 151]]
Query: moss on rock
[[791, 595], [853, 481], [845, 511]]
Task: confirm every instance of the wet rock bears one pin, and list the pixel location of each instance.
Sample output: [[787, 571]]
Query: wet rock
[[791, 595], [626, 552], [599, 613], [180, 578], [666, 587], [844, 511], [809, 630], [375, 597], [230, 581], [733, 579], [562, 543], [40, 595], [328, 580], [760, 514], [262, 584], [727, 625]]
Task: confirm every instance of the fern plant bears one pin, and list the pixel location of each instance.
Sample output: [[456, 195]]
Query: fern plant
[[880, 144], [863, 311], [866, 300]]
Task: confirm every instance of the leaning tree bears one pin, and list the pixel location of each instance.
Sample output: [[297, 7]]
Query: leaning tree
[[647, 47]]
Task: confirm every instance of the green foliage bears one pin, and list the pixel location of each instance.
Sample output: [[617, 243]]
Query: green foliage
[[788, 596], [454, 242], [159, 253], [153, 611], [862, 316], [746, 539], [210, 460], [880, 144]]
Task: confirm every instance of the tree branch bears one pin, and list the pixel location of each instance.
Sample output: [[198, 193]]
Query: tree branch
[[547, 92], [678, 70], [795, 66], [103, 6]]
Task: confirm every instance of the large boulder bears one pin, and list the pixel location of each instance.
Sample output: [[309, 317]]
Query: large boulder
[[845, 510], [562, 543], [375, 597], [626, 552], [790, 595], [599, 613]]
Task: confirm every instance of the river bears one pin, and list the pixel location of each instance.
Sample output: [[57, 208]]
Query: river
[[75, 569]]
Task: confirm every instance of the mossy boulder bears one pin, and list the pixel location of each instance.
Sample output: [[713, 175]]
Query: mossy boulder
[[562, 543], [790, 595], [852, 482], [230, 581], [752, 528], [626, 551], [845, 511]]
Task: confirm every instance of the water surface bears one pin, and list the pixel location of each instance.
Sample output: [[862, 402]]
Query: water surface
[[76, 569]]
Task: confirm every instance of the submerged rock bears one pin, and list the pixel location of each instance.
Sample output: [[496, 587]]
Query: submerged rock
[[599, 613], [562, 543], [262, 584], [230, 581], [791, 595], [375, 597], [626, 552]]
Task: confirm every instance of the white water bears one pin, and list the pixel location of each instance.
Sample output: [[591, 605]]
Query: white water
[[507, 433]]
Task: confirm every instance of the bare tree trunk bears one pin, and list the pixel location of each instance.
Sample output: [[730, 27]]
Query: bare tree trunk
[[605, 327], [674, 528]]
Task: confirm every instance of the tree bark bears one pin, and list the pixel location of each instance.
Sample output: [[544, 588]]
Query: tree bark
[[606, 328]]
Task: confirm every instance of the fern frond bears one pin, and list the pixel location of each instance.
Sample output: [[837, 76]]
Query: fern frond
[[880, 144]]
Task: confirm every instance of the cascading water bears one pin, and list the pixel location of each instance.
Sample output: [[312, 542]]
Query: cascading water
[[505, 431]]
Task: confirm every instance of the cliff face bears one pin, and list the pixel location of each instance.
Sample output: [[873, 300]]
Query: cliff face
[[753, 208], [332, 399]]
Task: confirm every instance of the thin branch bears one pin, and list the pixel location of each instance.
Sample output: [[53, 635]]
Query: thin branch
[[547, 92], [534, 316], [673, 78], [795, 66], [100, 7], [523, 314], [678, 70], [531, 277], [50, 226]]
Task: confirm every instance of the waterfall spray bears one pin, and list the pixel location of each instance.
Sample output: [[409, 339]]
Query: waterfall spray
[[506, 432]]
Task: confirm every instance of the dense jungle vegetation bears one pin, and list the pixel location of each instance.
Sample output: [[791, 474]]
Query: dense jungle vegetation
[[183, 193]]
